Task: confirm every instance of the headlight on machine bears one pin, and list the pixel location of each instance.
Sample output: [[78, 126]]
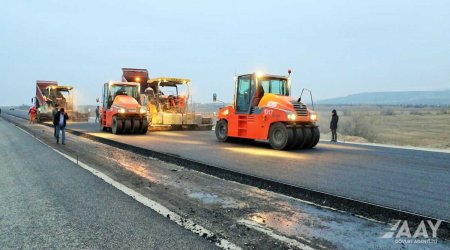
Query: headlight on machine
[[142, 110], [122, 111], [313, 116], [291, 116]]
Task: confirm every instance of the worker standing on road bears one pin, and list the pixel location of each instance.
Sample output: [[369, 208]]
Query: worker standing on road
[[60, 123], [97, 114], [32, 114], [334, 125], [54, 111]]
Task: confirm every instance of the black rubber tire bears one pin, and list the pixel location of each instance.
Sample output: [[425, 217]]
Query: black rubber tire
[[126, 126], [316, 136], [280, 136], [136, 126], [307, 138], [222, 131], [144, 126], [117, 126], [299, 138]]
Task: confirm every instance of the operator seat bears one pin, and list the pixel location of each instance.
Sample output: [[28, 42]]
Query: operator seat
[[121, 91], [258, 96]]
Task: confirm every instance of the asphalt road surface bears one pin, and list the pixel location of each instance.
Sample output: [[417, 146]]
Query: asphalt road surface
[[411, 180], [49, 202]]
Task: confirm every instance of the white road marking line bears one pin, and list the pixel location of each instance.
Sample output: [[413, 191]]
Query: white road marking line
[[435, 150], [290, 242], [159, 208]]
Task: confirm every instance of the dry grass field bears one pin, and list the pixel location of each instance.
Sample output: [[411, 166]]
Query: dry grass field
[[396, 125]]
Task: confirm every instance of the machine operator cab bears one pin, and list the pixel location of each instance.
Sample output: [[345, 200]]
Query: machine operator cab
[[251, 88], [113, 89], [169, 94]]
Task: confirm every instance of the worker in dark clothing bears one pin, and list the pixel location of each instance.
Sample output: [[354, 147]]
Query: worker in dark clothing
[[60, 123], [97, 114], [334, 125], [54, 111]]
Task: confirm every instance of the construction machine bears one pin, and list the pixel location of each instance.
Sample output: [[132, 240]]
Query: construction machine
[[166, 99], [264, 110], [49, 96], [121, 111]]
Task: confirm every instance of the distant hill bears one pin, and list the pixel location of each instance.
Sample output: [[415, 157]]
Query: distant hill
[[393, 98]]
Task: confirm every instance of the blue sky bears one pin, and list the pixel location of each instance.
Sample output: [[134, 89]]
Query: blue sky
[[334, 48]]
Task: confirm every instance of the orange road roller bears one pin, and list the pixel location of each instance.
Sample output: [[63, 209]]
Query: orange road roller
[[120, 110], [263, 109]]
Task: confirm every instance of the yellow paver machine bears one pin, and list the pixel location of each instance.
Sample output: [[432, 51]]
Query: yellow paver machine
[[167, 101]]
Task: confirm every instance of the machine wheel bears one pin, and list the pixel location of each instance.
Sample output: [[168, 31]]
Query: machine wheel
[[126, 126], [144, 126], [116, 126], [136, 126], [280, 136], [307, 137], [315, 136], [222, 131], [299, 138]]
